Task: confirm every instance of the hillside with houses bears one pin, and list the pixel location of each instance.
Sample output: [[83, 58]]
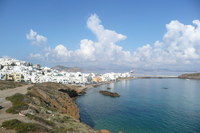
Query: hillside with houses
[[22, 71]]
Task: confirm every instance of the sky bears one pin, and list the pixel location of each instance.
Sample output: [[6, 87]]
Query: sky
[[138, 34]]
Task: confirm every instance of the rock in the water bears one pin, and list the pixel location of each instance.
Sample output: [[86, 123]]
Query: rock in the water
[[107, 93], [105, 131]]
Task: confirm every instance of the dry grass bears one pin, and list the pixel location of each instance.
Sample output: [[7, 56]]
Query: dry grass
[[10, 84], [21, 127], [19, 101]]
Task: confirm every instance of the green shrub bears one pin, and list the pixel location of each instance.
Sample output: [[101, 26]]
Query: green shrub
[[19, 98], [29, 88], [65, 118], [19, 101], [19, 126], [17, 108]]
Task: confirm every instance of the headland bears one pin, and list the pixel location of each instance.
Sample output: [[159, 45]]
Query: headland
[[44, 107]]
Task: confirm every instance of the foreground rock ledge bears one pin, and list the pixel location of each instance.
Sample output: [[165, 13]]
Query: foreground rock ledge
[[107, 93], [51, 109]]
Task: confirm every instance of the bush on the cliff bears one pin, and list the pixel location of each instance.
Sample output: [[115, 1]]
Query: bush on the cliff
[[19, 126], [19, 101]]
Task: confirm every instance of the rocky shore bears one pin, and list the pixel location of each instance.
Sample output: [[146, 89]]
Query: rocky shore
[[50, 108]]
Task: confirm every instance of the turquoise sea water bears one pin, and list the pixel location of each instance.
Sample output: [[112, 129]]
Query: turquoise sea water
[[144, 106]]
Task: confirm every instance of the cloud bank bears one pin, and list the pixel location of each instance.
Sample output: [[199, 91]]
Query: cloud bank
[[180, 48], [36, 39]]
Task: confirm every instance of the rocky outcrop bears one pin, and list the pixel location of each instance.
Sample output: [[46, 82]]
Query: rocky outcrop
[[107, 93], [51, 109], [105, 131], [190, 76], [72, 92], [49, 94]]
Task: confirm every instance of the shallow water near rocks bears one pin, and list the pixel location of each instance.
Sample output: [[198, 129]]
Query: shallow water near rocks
[[144, 106]]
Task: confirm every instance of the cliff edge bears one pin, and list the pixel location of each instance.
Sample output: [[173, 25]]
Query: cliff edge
[[50, 94], [46, 108]]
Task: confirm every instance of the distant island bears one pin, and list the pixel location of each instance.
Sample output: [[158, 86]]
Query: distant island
[[67, 69], [190, 76]]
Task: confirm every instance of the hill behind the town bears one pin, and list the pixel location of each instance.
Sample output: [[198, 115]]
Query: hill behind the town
[[67, 69]]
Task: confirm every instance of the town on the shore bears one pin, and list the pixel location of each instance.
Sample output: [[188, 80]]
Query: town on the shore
[[22, 71]]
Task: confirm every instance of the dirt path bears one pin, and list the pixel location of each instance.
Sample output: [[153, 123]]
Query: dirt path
[[7, 104]]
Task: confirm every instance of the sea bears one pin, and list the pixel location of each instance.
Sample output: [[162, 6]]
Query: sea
[[156, 105]]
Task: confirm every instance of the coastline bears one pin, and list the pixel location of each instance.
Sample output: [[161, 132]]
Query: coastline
[[136, 96], [89, 86]]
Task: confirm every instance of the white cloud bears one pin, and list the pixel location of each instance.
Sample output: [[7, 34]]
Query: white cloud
[[180, 47], [36, 39], [190, 53], [103, 35], [103, 50], [182, 40]]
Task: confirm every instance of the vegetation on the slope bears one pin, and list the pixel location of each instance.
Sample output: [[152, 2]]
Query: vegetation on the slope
[[40, 120], [19, 126], [4, 84], [19, 101], [48, 118], [64, 123]]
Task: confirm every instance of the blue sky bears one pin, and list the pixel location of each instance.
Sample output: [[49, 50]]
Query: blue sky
[[154, 34]]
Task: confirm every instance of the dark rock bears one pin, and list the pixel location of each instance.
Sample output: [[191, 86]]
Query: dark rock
[[73, 92], [105, 131], [107, 93], [95, 86]]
